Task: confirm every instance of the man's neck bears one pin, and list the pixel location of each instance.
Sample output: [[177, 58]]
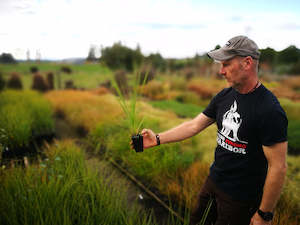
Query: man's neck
[[249, 87]]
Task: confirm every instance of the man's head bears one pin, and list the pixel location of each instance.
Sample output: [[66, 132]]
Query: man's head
[[239, 62], [236, 46]]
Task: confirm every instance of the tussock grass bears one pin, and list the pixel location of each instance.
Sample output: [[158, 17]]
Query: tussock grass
[[84, 109], [63, 190]]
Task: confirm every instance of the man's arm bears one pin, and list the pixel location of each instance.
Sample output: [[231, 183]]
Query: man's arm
[[181, 132], [277, 167]]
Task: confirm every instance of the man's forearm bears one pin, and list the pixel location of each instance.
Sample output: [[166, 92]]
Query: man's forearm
[[181, 132], [273, 187], [186, 129]]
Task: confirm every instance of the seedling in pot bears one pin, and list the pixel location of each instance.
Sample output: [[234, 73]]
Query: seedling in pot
[[129, 108]]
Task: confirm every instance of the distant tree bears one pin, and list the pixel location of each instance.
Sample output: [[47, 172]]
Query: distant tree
[[121, 57], [289, 55], [92, 54], [268, 55], [7, 58], [157, 61]]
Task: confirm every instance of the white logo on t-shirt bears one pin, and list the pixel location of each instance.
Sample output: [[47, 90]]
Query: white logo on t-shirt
[[231, 124]]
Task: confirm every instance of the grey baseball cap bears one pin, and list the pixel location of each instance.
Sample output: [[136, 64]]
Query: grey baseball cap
[[236, 46]]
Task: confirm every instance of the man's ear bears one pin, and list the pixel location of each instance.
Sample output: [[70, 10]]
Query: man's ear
[[248, 62]]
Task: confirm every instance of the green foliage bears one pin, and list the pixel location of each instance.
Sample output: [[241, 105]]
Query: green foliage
[[24, 115], [130, 108], [121, 57], [181, 109], [289, 55], [294, 135], [268, 55], [113, 139], [63, 190]]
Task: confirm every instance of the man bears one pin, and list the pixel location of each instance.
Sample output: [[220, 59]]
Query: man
[[248, 172]]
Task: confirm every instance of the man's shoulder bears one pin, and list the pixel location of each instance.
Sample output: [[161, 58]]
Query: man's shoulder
[[224, 92], [268, 102]]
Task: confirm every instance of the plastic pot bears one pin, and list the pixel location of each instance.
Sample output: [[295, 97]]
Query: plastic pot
[[137, 141]]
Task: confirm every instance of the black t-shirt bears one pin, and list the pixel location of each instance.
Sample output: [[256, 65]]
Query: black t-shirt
[[245, 123]]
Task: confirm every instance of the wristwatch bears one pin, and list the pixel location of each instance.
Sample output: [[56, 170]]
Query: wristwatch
[[267, 216]]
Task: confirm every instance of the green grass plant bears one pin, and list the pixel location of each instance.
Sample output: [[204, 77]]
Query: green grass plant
[[24, 115], [181, 109], [129, 107], [63, 190]]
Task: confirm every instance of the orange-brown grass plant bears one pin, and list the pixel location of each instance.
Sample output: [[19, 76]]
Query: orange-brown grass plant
[[154, 90], [14, 81], [292, 82], [100, 91], [283, 91], [185, 186], [206, 88], [84, 109]]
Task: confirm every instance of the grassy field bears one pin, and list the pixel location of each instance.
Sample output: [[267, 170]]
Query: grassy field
[[176, 170]]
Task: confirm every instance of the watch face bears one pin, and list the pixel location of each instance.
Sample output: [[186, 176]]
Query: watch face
[[268, 216]]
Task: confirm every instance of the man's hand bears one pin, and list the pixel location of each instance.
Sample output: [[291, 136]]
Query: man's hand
[[149, 139], [257, 220]]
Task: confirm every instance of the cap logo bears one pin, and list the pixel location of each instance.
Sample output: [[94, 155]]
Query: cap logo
[[228, 43]]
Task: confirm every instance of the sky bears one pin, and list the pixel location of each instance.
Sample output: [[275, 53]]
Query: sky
[[59, 29]]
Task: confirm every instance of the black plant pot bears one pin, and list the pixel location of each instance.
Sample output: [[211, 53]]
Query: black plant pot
[[137, 141]]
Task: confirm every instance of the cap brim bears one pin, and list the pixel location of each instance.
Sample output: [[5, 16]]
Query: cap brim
[[220, 55]]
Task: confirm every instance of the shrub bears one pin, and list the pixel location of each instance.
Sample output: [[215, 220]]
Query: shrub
[[39, 83], [66, 69], [2, 82], [69, 84], [50, 80], [122, 81], [34, 69], [149, 74], [14, 81]]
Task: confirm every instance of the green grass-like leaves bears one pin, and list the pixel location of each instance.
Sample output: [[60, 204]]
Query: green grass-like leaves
[[63, 190], [24, 115], [181, 109]]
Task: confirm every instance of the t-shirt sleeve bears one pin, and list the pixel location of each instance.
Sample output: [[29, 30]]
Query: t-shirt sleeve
[[210, 110], [274, 127]]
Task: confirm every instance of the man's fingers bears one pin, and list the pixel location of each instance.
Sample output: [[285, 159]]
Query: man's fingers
[[144, 132]]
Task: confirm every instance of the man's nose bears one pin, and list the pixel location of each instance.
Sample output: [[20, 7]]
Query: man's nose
[[222, 71]]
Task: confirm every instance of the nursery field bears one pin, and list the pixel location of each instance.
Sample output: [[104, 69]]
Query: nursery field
[[60, 187]]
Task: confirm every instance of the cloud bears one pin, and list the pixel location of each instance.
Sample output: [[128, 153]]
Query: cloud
[[290, 26]]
